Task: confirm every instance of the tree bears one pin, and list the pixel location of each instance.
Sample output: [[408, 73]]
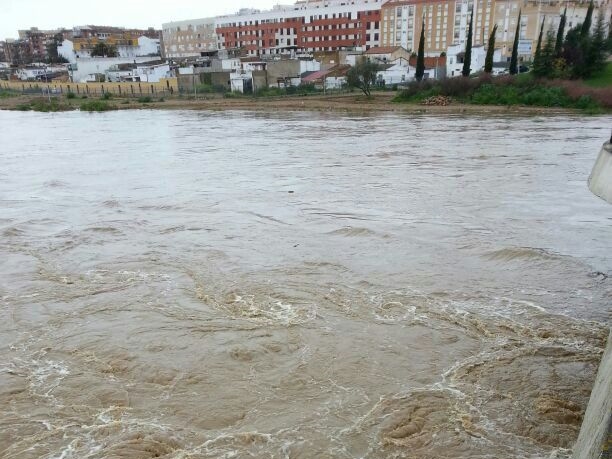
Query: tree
[[561, 33], [609, 40], [573, 51], [588, 21], [539, 69], [362, 76], [490, 51], [514, 59], [467, 60], [547, 56], [420, 64], [103, 50], [596, 51], [53, 56]]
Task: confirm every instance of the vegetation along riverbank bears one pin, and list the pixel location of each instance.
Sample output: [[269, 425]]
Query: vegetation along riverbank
[[483, 94]]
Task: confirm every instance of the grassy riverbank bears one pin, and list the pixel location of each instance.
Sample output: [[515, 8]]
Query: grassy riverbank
[[523, 90], [380, 101]]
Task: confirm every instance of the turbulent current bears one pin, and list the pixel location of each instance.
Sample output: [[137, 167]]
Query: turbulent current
[[298, 285]]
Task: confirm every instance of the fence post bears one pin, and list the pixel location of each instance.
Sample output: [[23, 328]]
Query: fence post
[[119, 87]]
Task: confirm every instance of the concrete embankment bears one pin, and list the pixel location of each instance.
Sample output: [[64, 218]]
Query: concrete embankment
[[600, 181], [595, 439]]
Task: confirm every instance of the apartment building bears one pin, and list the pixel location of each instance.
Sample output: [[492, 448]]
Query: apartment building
[[128, 42], [307, 26], [189, 38], [445, 21]]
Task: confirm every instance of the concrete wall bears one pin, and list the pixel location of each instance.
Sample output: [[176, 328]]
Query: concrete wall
[[281, 70], [600, 181], [186, 82], [595, 437]]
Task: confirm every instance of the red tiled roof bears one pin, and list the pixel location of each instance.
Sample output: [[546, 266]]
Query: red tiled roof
[[430, 62], [315, 76]]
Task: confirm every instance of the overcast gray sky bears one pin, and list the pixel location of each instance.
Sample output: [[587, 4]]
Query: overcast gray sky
[[45, 14]]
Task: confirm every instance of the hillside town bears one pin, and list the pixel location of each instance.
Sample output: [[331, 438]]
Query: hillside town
[[310, 42]]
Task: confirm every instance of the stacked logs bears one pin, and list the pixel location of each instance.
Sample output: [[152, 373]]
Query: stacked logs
[[437, 100]]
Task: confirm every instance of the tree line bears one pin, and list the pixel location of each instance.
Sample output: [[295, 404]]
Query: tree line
[[578, 54]]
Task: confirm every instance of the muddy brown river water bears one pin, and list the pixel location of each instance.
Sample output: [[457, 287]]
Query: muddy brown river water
[[298, 285]]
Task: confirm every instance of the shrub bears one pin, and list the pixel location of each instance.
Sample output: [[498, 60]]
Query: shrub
[[96, 106], [23, 107], [44, 105], [145, 100], [270, 92], [106, 96], [511, 90], [71, 95], [6, 93]]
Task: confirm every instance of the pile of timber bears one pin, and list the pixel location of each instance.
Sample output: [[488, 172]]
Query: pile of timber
[[437, 100]]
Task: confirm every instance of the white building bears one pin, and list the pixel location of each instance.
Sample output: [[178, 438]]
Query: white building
[[82, 70], [397, 72], [146, 47], [455, 58], [138, 72], [39, 71]]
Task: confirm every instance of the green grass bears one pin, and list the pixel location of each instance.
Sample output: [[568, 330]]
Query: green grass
[[45, 106], [601, 79], [96, 106], [145, 100], [6, 93]]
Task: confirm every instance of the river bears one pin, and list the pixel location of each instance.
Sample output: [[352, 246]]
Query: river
[[184, 284]]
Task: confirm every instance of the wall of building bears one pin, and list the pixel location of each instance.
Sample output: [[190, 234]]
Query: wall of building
[[311, 26], [92, 65], [189, 38]]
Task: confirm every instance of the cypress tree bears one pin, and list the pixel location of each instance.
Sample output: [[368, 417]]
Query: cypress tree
[[609, 40], [547, 54], [490, 50], [588, 20], [596, 56], [561, 33], [420, 64], [514, 59], [467, 60], [538, 68]]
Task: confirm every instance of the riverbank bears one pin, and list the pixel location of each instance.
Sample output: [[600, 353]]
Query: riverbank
[[353, 103]]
